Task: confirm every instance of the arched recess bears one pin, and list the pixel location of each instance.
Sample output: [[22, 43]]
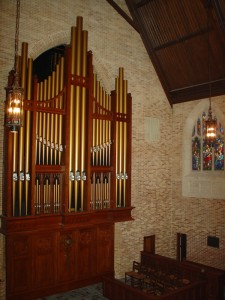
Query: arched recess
[[63, 38], [200, 184]]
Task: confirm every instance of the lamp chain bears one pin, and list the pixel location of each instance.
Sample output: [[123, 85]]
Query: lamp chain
[[17, 32], [16, 63], [209, 50]]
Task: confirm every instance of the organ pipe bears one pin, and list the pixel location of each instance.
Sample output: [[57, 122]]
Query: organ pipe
[[50, 157], [28, 136]]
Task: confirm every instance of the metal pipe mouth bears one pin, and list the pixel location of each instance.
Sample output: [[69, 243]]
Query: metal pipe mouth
[[14, 129]]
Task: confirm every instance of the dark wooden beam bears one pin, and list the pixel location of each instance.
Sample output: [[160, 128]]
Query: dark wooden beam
[[182, 39], [198, 91], [123, 14]]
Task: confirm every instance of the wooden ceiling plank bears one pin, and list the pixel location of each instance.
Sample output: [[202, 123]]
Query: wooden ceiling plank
[[174, 33], [182, 39]]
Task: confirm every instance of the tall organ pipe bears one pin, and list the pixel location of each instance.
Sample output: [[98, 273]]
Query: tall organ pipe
[[83, 119], [22, 132], [77, 117], [125, 141], [28, 136], [72, 113], [61, 83]]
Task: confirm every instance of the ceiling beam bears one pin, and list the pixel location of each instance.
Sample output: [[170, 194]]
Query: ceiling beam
[[122, 13], [182, 39]]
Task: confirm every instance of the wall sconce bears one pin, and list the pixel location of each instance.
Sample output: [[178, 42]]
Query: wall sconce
[[15, 93]]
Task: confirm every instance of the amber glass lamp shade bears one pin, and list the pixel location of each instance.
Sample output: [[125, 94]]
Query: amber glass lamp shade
[[211, 125], [14, 108]]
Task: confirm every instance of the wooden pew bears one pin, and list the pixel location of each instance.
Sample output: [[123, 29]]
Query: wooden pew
[[215, 278], [115, 289]]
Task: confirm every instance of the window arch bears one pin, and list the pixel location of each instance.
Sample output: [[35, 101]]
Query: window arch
[[203, 176], [205, 156]]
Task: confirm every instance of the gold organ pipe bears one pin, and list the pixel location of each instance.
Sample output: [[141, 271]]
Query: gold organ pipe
[[37, 142], [57, 194], [100, 125], [83, 116], [117, 160], [125, 141], [121, 131], [52, 117], [49, 190], [105, 192], [48, 124], [72, 113], [94, 120], [37, 195], [104, 129], [92, 189], [37, 148], [22, 129], [77, 132], [98, 181], [97, 123], [56, 201], [109, 131], [101, 190], [44, 130], [56, 117], [108, 190], [28, 134], [54, 196], [45, 197], [39, 125], [14, 169], [15, 145], [61, 83]]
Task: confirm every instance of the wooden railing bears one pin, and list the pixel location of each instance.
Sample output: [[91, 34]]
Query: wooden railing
[[115, 289]]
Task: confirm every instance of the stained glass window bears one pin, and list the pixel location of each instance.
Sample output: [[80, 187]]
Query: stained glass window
[[207, 157]]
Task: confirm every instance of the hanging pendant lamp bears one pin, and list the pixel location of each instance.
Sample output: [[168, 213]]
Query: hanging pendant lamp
[[211, 125], [14, 92]]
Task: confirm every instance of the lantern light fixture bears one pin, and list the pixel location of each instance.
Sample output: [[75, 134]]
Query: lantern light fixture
[[14, 92], [211, 126]]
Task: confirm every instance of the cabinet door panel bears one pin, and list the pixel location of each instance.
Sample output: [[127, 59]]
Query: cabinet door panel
[[44, 249], [66, 256], [86, 253], [105, 249], [19, 268]]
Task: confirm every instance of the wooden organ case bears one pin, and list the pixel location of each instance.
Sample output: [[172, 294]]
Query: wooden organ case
[[67, 176]]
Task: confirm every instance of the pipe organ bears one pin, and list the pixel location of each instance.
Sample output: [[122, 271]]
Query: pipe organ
[[67, 175]]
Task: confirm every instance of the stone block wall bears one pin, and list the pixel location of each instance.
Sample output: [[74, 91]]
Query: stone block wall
[[196, 217]]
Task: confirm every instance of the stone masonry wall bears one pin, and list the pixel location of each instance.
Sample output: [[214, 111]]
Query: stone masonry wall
[[198, 218]]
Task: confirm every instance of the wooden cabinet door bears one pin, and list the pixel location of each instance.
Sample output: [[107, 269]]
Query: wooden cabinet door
[[44, 259], [19, 267], [66, 255], [86, 253], [105, 248]]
